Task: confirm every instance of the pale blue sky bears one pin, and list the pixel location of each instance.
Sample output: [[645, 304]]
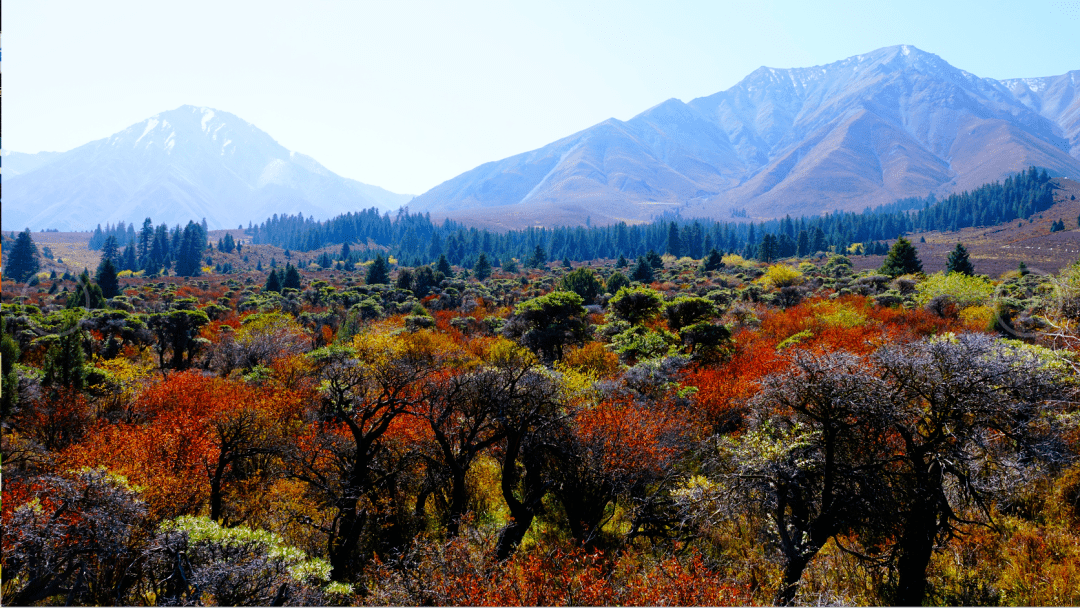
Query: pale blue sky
[[406, 94]]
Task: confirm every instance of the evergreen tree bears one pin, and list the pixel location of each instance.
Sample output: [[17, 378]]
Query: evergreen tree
[[106, 279], [110, 250], [292, 278], [959, 262], [443, 266], [817, 243], [538, 258], [566, 263], [802, 244], [621, 262], [482, 268], [23, 260], [65, 359], [87, 294], [146, 241], [379, 272], [654, 259], [129, 261], [510, 266], [643, 271], [674, 241], [767, 249], [713, 261], [189, 256], [273, 282], [902, 259]]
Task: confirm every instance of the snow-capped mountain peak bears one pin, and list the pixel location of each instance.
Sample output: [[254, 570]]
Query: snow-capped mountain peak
[[187, 163]]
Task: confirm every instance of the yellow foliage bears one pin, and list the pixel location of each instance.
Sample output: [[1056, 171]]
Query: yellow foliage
[[123, 274], [208, 269], [978, 317], [782, 275], [577, 385], [963, 289], [593, 357], [837, 314], [733, 259]]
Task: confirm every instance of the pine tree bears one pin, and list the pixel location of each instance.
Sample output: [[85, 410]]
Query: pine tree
[[902, 259], [538, 258], [110, 250], [443, 266], [292, 278], [379, 272], [65, 359], [482, 268], [273, 283], [674, 241], [767, 249], [802, 246], [713, 261], [106, 279], [643, 271], [23, 260], [621, 262], [959, 262]]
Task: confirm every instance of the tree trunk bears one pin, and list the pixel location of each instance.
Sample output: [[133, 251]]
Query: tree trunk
[[459, 499], [522, 511], [793, 571], [916, 548]]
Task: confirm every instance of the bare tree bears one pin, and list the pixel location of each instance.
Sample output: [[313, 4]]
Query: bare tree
[[970, 415]]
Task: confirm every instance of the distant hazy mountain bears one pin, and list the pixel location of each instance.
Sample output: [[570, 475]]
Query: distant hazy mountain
[[15, 163], [188, 163], [867, 130]]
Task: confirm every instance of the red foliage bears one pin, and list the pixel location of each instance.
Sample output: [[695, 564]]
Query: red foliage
[[170, 446]]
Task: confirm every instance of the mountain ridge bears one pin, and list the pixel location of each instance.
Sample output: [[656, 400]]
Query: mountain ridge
[[188, 163], [865, 130]]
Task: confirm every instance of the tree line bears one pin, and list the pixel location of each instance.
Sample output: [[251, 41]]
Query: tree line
[[414, 239]]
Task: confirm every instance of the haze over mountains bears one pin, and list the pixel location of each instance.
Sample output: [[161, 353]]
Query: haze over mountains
[[864, 131], [867, 130], [184, 164]]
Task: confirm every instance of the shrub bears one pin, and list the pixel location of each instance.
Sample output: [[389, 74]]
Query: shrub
[[962, 289], [782, 275]]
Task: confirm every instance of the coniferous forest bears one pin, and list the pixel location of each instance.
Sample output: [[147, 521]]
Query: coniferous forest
[[684, 412], [415, 239]]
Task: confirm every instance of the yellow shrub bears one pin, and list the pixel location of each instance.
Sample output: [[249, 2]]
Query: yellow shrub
[[123, 274], [837, 314], [963, 289], [782, 275], [978, 317], [733, 259]]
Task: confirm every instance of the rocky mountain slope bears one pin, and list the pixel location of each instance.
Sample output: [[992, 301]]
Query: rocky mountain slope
[[859, 132]]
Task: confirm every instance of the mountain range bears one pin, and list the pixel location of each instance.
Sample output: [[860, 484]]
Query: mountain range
[[867, 130], [894, 123], [184, 164]]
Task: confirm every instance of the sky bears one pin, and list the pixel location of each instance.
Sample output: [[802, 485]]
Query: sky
[[406, 94]]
